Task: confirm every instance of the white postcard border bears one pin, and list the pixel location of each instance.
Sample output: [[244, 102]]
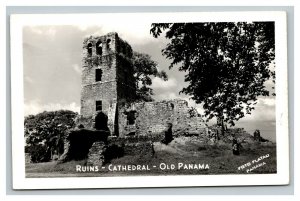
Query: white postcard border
[[18, 158]]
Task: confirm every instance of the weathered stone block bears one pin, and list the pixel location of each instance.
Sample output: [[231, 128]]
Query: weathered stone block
[[96, 154]]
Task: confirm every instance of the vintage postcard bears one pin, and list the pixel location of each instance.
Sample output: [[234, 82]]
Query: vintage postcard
[[149, 100]]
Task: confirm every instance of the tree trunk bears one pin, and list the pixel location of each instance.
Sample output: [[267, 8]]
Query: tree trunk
[[220, 122], [51, 154], [223, 128]]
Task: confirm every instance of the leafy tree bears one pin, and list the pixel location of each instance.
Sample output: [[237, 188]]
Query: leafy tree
[[45, 133], [144, 69], [227, 64]]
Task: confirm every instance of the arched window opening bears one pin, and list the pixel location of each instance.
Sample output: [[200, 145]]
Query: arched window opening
[[89, 49], [108, 43], [99, 48]]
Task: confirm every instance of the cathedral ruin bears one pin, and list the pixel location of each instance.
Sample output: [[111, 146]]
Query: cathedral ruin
[[108, 95]]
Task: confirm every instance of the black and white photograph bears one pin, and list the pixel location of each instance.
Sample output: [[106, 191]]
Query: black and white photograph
[[125, 97]]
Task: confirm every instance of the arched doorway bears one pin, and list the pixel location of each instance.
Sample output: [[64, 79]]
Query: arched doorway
[[101, 121]]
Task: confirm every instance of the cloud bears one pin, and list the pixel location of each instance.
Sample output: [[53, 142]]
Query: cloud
[[267, 101], [44, 31], [192, 103], [51, 32], [35, 107], [264, 111], [159, 83], [29, 80], [36, 30], [77, 68]]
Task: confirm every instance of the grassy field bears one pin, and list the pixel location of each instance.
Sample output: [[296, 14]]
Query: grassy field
[[217, 158]]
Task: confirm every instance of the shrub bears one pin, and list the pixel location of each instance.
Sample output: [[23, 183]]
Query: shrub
[[38, 153]]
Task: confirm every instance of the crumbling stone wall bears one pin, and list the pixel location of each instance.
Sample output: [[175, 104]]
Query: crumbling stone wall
[[79, 141], [96, 154], [136, 145], [153, 118]]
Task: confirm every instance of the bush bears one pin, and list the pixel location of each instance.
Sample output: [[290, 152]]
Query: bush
[[48, 129], [38, 153]]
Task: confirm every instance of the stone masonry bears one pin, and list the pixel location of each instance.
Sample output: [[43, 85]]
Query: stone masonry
[[96, 154], [153, 117], [107, 78]]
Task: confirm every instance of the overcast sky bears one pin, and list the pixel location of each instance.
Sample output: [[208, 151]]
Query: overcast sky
[[52, 70]]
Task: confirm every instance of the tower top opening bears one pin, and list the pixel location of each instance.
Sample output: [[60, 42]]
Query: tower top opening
[[106, 44]]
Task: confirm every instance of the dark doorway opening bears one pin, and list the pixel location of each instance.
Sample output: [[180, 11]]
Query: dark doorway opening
[[131, 117], [101, 121]]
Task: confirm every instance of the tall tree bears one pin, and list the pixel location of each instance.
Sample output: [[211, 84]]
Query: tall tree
[[144, 70], [45, 132], [227, 64]]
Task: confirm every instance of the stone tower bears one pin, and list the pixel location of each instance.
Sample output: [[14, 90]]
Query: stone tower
[[107, 79]]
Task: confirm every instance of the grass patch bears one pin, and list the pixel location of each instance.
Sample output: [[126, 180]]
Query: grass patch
[[219, 157]]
